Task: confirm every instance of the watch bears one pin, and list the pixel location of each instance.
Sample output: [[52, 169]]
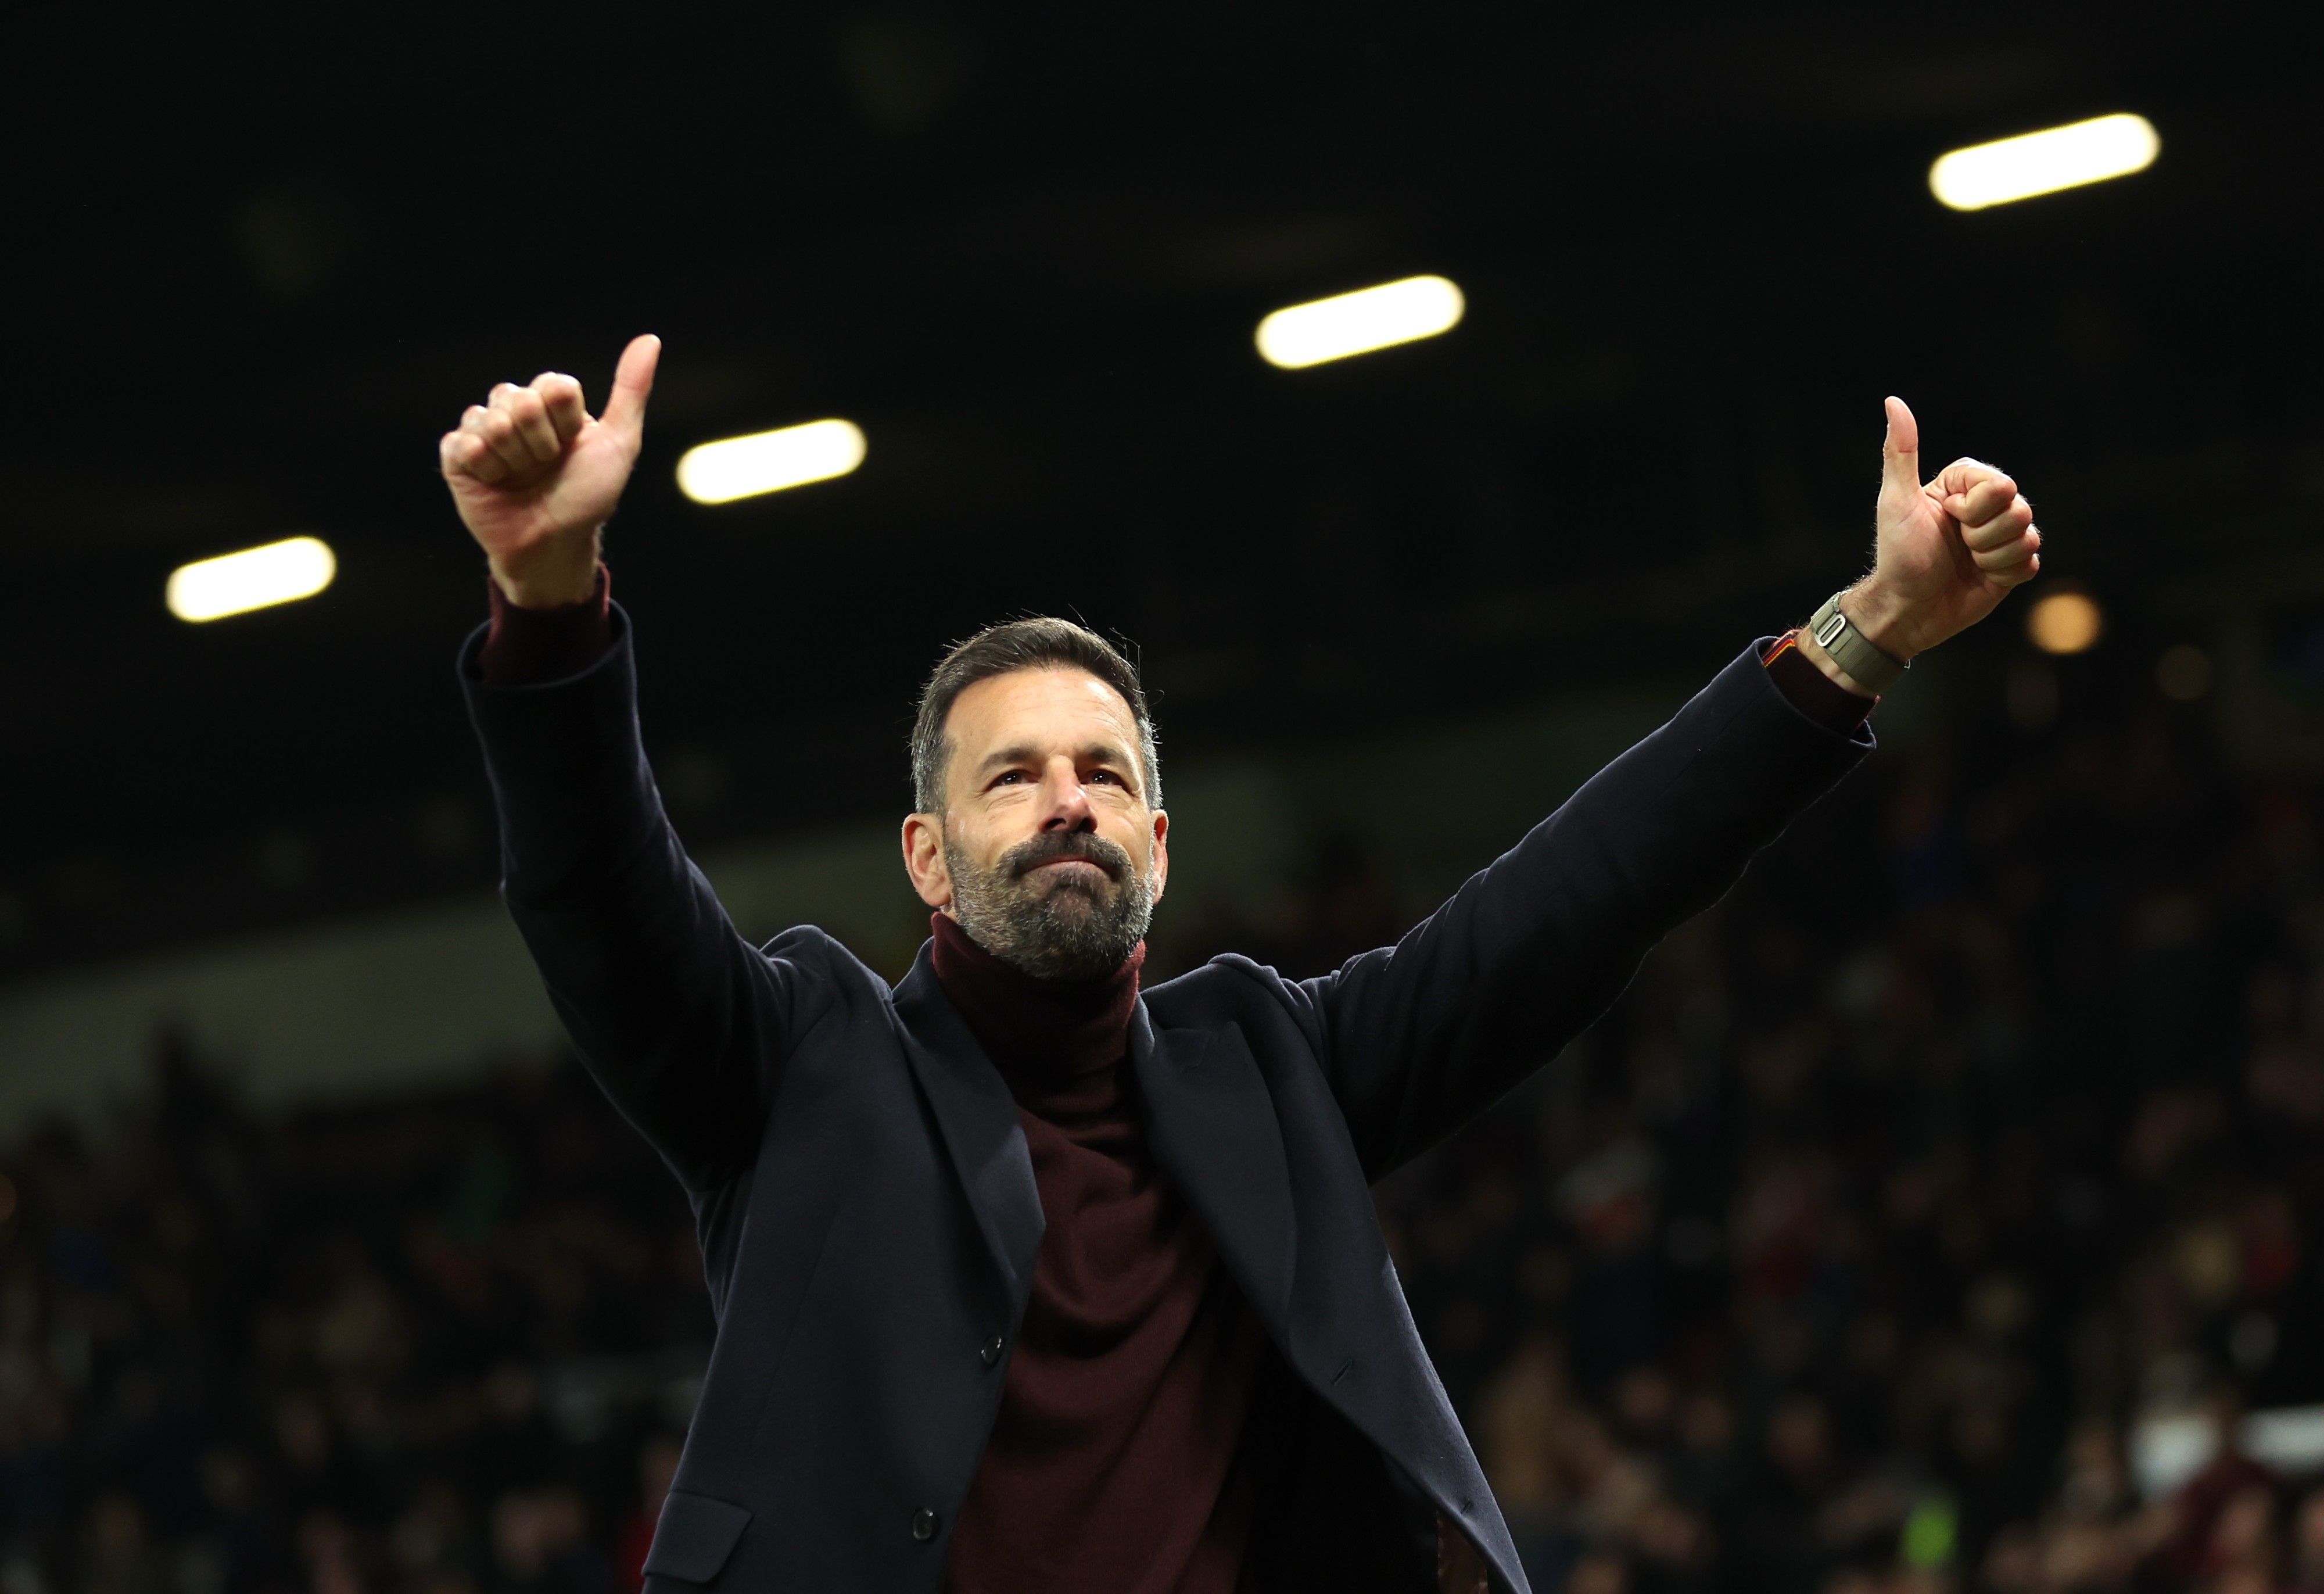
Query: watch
[[1852, 651]]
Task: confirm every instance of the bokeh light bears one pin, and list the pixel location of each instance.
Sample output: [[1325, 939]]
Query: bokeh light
[[2065, 622], [770, 461], [1359, 322], [2044, 163], [253, 578]]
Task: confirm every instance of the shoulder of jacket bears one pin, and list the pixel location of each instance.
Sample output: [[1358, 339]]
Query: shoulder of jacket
[[1217, 989], [804, 940], [824, 960]]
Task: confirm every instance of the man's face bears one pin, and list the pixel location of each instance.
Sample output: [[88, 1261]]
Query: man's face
[[1045, 853]]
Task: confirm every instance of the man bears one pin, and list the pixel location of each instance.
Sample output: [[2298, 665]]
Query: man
[[1027, 1280]]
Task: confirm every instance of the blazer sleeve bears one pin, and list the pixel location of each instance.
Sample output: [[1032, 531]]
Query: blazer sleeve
[[684, 1024], [1417, 1038]]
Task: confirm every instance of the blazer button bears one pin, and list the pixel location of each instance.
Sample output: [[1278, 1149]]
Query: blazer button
[[991, 1350], [924, 1525]]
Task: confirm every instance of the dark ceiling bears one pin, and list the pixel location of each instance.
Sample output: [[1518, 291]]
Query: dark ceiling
[[259, 272]]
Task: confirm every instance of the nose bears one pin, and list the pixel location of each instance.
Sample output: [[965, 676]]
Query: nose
[[1065, 805]]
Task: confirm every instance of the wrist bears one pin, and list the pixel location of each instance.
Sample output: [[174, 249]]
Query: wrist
[[1881, 619], [550, 578]]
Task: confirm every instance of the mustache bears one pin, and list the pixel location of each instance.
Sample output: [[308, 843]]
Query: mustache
[[1050, 846]]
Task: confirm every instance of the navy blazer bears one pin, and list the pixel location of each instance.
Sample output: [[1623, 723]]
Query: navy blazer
[[865, 1200]]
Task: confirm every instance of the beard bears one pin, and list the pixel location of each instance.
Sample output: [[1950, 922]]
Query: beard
[[1055, 923]]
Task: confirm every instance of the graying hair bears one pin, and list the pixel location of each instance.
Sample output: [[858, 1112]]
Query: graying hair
[[1039, 643]]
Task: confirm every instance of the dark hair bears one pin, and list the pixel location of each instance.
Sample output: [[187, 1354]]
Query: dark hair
[[1041, 643]]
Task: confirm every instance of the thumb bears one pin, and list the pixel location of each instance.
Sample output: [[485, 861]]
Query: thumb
[[625, 410], [1900, 451]]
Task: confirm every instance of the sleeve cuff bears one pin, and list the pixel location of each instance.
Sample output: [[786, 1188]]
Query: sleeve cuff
[[1810, 690], [526, 647]]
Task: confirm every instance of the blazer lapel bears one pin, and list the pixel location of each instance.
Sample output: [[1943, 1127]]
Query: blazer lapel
[[979, 1121], [1211, 1120]]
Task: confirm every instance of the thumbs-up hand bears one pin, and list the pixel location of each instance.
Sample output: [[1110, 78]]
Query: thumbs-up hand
[[536, 477], [1946, 551]]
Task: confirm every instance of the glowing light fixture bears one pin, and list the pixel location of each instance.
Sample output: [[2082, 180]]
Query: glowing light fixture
[[1357, 323], [253, 578], [2042, 162], [768, 461], [2064, 622]]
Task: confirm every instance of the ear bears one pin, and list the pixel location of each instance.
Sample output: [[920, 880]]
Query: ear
[[1161, 853], [924, 860]]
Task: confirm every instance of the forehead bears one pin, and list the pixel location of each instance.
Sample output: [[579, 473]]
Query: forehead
[[1044, 706]]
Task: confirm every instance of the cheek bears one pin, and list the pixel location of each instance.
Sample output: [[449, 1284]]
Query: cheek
[[1144, 853], [985, 837]]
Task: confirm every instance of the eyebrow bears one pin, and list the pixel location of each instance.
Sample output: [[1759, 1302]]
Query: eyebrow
[[1108, 752]]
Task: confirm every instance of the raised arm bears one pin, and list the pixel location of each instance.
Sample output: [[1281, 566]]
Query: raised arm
[[1419, 1037], [681, 1021]]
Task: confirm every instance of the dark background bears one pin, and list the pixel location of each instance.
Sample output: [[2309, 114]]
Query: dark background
[[261, 266], [1858, 1251]]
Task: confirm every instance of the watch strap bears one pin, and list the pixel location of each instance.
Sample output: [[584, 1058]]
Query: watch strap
[[1852, 651]]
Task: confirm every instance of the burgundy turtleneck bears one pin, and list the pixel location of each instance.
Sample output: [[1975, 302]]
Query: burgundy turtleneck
[[1111, 1465]]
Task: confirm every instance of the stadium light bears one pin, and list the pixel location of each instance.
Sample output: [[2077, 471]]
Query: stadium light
[[1358, 322], [768, 461], [253, 578], [2064, 622], [2033, 164]]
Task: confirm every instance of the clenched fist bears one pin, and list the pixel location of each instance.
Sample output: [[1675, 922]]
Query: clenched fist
[[536, 477], [1946, 551]]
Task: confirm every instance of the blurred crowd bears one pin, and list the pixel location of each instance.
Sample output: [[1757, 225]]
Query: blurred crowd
[[442, 1346], [1877, 1241], [1929, 1215]]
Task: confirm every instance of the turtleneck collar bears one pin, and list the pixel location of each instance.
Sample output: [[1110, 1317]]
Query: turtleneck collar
[[1041, 1033]]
